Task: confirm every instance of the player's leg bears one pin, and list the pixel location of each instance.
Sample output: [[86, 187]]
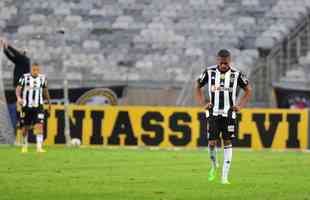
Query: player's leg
[[227, 160], [24, 123], [228, 135], [38, 130], [25, 130], [18, 131], [213, 136], [212, 153]]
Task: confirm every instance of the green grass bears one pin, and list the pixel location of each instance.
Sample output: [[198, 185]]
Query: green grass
[[141, 174]]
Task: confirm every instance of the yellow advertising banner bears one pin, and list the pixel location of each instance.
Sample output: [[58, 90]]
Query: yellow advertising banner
[[274, 128], [174, 127]]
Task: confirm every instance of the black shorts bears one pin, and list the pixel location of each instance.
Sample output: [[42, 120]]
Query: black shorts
[[221, 126], [31, 116]]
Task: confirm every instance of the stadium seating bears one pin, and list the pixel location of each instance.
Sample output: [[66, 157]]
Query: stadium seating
[[134, 40], [282, 18]]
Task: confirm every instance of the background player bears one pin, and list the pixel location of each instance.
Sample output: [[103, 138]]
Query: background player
[[21, 61], [30, 93], [223, 83]]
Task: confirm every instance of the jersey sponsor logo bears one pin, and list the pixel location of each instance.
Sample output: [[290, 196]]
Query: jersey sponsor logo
[[220, 112], [31, 87], [220, 88]]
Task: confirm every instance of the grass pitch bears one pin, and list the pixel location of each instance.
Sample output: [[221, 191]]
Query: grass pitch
[[141, 174]]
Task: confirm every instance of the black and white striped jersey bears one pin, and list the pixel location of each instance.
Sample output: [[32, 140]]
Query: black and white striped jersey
[[32, 90], [222, 89]]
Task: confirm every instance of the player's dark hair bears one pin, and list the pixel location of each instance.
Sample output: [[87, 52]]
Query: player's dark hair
[[223, 53], [35, 64]]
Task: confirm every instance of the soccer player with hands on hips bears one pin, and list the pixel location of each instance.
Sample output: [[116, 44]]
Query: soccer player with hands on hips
[[30, 93], [222, 82]]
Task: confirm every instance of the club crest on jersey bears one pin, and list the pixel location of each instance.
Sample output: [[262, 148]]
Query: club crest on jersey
[[232, 78]]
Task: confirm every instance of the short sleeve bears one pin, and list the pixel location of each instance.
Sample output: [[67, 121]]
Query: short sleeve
[[202, 80], [242, 80], [21, 81]]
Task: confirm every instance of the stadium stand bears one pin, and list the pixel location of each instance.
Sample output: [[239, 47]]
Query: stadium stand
[[283, 47], [144, 41]]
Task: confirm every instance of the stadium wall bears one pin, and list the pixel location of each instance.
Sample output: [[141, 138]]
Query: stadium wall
[[168, 127]]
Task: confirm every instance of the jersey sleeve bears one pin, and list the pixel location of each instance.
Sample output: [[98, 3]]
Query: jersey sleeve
[[243, 80], [202, 80], [21, 81]]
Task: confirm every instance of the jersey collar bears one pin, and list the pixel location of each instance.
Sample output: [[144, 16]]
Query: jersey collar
[[218, 69]]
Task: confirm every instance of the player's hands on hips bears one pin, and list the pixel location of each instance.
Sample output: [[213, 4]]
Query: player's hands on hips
[[208, 105], [49, 107], [3, 43], [236, 108], [20, 101]]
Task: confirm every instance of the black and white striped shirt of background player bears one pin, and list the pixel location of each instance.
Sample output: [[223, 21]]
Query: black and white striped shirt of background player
[[222, 89], [32, 90]]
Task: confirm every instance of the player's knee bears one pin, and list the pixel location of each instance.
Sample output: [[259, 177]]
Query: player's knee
[[38, 129], [25, 130], [227, 142], [212, 143]]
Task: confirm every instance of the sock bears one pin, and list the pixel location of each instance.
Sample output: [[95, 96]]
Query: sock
[[19, 137], [227, 161], [212, 153], [25, 140], [39, 141]]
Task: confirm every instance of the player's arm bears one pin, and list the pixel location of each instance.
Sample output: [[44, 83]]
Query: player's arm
[[2, 43], [13, 51], [199, 94], [18, 94], [9, 51], [18, 90], [244, 84], [46, 95], [245, 97]]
